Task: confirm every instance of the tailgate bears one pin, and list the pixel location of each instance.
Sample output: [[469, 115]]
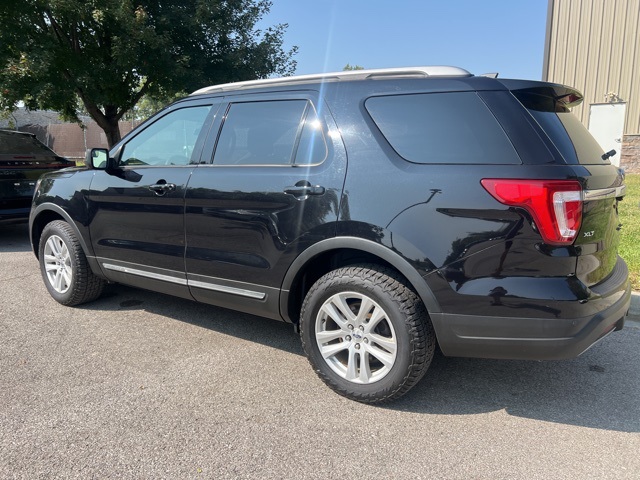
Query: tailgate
[[596, 244], [598, 239]]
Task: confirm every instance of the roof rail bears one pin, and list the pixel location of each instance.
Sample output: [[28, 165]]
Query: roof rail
[[433, 71]]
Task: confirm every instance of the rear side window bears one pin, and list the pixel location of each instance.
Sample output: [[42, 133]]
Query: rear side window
[[442, 128], [564, 129], [282, 132]]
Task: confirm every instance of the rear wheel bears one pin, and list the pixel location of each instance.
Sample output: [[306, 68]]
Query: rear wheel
[[367, 335], [64, 266]]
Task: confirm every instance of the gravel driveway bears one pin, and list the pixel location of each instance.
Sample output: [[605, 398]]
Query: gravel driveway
[[142, 385]]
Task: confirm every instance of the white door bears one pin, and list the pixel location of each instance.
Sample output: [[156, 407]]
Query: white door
[[606, 124]]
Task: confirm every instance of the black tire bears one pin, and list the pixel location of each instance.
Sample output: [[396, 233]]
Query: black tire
[[64, 266], [361, 368]]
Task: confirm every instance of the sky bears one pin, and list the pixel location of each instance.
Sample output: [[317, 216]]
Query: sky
[[481, 36]]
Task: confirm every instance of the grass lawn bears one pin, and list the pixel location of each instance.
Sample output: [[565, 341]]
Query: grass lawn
[[629, 210]]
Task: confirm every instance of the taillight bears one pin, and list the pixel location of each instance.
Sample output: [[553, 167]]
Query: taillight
[[554, 205]]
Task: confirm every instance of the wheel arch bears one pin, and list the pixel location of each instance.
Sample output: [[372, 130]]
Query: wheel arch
[[333, 253], [46, 213]]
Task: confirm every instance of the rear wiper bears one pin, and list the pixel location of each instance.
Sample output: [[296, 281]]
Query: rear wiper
[[609, 154]]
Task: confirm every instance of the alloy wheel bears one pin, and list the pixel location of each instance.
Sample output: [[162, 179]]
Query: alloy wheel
[[356, 338], [57, 261]]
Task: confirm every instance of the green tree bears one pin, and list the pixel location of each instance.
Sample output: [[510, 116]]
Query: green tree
[[111, 53], [348, 67], [147, 106]]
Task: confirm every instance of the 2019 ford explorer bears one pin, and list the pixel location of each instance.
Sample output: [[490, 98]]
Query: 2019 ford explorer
[[381, 212]]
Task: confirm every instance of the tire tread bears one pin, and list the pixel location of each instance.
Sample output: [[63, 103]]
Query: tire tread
[[86, 286], [422, 337]]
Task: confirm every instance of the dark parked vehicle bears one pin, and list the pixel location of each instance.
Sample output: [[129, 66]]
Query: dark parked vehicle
[[23, 158], [379, 211]]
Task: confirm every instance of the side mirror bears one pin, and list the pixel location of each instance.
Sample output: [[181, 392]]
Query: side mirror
[[98, 159]]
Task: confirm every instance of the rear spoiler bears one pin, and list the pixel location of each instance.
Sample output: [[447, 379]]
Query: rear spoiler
[[531, 93]]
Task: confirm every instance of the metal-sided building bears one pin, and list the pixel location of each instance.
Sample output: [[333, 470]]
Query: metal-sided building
[[594, 45]]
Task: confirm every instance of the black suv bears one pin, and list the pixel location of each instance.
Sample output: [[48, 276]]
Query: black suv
[[23, 158], [381, 212]]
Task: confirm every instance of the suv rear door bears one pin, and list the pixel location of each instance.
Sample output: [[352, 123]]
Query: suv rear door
[[271, 189]]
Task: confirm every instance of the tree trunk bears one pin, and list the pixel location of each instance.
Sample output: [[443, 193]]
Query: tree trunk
[[108, 120], [112, 132], [110, 126]]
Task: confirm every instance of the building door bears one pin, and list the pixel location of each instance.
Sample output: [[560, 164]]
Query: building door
[[606, 124]]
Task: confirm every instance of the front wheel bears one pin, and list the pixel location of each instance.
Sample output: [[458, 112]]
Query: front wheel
[[64, 266], [367, 335]]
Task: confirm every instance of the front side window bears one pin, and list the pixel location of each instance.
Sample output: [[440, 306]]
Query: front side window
[[442, 128], [282, 132], [171, 140]]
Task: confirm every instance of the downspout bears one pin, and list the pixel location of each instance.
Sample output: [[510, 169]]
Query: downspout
[[547, 42]]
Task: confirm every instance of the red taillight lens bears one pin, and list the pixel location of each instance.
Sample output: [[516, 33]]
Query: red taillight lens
[[555, 205]]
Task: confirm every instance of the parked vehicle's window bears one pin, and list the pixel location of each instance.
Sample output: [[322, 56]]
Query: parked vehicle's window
[[168, 141], [442, 128], [280, 132], [14, 143]]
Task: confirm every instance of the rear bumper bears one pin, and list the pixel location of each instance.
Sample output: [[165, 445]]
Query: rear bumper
[[534, 338]]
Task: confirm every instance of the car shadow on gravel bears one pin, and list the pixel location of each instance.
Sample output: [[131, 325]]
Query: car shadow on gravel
[[599, 389], [264, 331], [14, 238]]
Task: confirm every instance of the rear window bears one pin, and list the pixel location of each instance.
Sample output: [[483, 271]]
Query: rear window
[[20, 144], [442, 128], [564, 129]]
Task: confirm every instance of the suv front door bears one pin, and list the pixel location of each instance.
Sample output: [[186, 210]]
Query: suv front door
[[137, 225]]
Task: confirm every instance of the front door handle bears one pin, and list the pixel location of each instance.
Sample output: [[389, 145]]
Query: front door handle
[[303, 188], [162, 188]]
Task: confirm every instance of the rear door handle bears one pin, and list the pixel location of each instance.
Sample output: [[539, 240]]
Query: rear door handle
[[162, 188], [304, 190]]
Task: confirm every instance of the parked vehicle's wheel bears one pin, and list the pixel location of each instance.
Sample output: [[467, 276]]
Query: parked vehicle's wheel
[[64, 266], [366, 334]]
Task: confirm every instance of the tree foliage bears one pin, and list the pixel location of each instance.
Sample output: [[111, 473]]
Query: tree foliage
[[111, 53], [349, 67]]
